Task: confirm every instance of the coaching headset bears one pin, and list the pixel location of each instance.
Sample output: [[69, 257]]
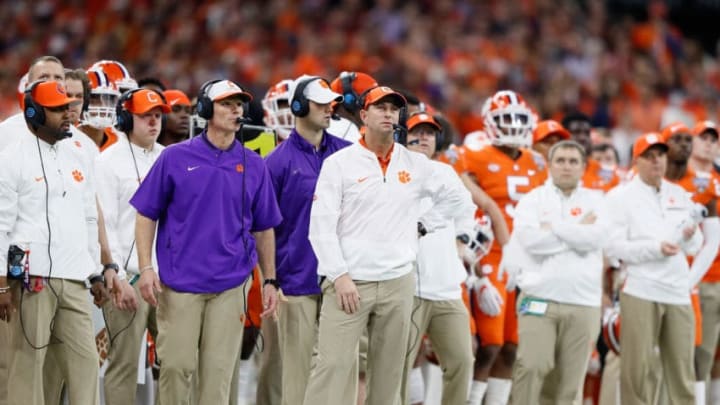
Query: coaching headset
[[300, 105], [124, 118], [34, 114]]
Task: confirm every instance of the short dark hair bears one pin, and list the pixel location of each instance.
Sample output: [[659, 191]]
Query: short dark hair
[[575, 116], [154, 81], [604, 147]]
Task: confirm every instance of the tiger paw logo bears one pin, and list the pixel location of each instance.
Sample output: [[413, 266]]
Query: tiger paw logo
[[576, 211], [78, 176], [404, 177]]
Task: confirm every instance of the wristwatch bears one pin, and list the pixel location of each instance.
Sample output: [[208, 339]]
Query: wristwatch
[[272, 282], [110, 266]]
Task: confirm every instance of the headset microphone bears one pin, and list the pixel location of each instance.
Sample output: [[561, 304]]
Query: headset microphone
[[243, 120], [335, 117]]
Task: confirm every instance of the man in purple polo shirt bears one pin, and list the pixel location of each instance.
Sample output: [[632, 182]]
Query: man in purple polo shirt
[[294, 167], [215, 209]]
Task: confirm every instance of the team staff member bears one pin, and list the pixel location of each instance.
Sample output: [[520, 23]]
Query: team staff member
[[216, 209], [177, 128], [439, 310], [364, 225], [651, 232], [120, 170], [596, 176], [294, 168], [560, 225], [48, 210]]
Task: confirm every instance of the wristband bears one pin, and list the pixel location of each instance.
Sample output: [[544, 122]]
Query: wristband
[[272, 282], [146, 268]]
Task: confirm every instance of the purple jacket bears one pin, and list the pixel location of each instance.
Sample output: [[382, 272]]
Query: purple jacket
[[294, 167], [207, 202]]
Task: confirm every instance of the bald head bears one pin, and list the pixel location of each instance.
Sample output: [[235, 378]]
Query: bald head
[[46, 68]]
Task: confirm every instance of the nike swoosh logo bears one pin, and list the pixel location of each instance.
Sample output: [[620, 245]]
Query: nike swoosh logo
[[39, 178], [191, 168], [361, 179]]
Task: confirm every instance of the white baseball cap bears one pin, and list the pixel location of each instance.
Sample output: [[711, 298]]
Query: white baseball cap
[[227, 88], [317, 90]]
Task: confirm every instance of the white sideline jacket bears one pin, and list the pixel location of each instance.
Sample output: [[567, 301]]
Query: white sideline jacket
[[364, 222], [642, 217], [117, 181], [568, 258]]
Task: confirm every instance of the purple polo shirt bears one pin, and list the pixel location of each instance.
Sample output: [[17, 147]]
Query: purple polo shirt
[[207, 202], [294, 167]]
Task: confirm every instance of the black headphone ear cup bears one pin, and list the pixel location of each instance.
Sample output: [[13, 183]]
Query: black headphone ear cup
[[33, 112], [204, 106], [350, 97], [123, 118], [300, 105]]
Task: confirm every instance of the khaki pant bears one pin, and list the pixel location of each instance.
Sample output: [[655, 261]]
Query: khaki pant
[[298, 335], [269, 385], [72, 345], [199, 333], [710, 307], [553, 353], [4, 359], [647, 324], [125, 330], [610, 382], [447, 324], [385, 308]]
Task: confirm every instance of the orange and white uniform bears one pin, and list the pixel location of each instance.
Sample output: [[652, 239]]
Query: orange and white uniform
[[703, 188], [505, 180], [599, 177]]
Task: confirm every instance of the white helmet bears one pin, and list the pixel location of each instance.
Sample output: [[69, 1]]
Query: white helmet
[[508, 119], [100, 111], [276, 105]]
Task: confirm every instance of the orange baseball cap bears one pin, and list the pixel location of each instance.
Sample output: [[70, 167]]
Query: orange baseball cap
[[145, 100], [358, 82], [381, 92], [51, 94], [176, 97], [549, 127], [422, 118], [704, 126], [674, 128], [644, 142]]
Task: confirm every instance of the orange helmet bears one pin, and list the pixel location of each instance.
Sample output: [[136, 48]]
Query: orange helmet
[[508, 119], [100, 111], [611, 329], [117, 73], [352, 85], [276, 105]]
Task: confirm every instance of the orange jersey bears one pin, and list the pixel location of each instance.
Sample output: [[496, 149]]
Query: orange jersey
[[110, 138], [505, 180], [704, 188], [598, 177]]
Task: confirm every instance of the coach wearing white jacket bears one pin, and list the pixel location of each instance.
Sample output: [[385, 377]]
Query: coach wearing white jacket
[[560, 225], [652, 231], [364, 231]]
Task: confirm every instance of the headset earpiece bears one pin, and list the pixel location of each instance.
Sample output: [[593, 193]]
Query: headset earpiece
[[351, 100], [123, 117], [204, 106], [33, 112], [300, 105]]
